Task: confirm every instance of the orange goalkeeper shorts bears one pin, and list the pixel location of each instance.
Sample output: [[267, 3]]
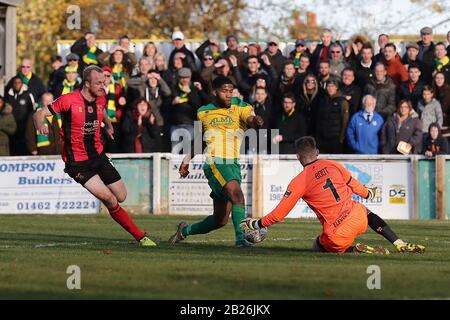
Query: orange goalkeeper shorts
[[340, 237]]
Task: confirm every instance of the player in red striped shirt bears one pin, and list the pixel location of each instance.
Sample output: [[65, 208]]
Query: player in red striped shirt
[[83, 113]]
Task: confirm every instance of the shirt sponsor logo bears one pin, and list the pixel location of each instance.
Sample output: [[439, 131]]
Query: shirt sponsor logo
[[90, 127], [221, 121]]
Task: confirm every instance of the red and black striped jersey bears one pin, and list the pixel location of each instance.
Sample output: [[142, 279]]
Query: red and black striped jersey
[[81, 122]]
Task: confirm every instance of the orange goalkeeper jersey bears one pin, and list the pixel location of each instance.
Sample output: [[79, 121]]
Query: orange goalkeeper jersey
[[327, 187]]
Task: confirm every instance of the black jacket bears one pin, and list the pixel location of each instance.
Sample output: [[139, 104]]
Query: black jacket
[[190, 59], [363, 75], [277, 60], [186, 112], [355, 92], [414, 96], [129, 130], [332, 117], [428, 60], [55, 80], [438, 146], [291, 128]]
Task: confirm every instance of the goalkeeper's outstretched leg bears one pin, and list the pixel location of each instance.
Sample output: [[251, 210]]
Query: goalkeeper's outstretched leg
[[381, 227]]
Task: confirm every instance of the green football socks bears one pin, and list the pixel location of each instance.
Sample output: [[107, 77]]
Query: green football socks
[[237, 215], [201, 227]]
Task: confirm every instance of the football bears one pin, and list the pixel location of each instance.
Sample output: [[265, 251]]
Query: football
[[255, 236]]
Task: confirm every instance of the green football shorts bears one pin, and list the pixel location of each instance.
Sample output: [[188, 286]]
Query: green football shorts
[[219, 172]]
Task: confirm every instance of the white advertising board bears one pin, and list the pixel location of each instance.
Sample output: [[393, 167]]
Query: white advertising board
[[41, 186], [392, 178], [190, 195]]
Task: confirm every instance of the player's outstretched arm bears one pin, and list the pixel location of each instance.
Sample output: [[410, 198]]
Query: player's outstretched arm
[[356, 186], [39, 117], [292, 195]]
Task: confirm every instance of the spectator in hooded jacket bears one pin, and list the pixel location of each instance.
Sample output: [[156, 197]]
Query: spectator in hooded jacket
[[363, 131], [434, 143], [403, 126]]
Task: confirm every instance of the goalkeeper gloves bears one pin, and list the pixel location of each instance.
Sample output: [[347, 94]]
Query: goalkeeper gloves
[[372, 192], [250, 224]]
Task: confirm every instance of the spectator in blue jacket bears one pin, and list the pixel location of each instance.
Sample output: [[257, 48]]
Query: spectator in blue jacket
[[364, 128]]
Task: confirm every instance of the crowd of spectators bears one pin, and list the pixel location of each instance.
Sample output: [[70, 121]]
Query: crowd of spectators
[[350, 98]]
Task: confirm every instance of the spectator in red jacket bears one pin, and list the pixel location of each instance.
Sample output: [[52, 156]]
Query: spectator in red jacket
[[394, 67]]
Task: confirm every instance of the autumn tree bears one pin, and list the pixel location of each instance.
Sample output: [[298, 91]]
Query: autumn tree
[[41, 23]]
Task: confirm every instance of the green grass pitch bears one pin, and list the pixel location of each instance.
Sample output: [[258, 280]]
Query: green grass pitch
[[35, 251]]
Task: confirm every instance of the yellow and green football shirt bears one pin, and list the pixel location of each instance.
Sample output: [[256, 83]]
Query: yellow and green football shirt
[[224, 128]]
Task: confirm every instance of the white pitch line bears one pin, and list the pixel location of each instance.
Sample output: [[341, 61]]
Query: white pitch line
[[74, 244], [273, 239]]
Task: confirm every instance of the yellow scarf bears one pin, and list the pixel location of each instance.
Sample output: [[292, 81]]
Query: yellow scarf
[[90, 57], [111, 97], [68, 87], [118, 75], [442, 63]]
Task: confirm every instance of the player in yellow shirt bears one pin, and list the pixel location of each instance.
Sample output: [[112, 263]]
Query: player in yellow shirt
[[224, 122]]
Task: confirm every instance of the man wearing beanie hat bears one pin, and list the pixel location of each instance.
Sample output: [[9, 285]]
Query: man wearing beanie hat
[[233, 49]]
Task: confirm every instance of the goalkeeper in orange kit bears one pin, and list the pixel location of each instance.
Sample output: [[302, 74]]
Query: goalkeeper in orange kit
[[327, 187]]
